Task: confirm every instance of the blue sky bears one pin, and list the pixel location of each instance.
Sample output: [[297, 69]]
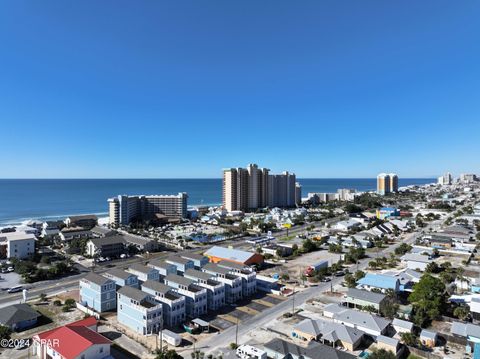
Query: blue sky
[[185, 88]]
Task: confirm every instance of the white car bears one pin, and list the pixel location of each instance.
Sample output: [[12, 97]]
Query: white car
[[123, 256], [10, 269]]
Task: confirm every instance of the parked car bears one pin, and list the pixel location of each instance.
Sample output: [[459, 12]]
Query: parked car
[[16, 289], [10, 269]]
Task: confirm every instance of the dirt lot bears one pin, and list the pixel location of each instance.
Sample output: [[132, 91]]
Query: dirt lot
[[295, 267]]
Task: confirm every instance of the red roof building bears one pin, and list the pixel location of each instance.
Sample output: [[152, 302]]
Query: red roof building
[[77, 340]]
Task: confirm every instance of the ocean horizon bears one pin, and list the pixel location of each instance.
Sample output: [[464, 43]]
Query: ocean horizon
[[25, 199]]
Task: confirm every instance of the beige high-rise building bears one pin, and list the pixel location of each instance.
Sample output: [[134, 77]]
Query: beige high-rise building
[[252, 187], [387, 183], [383, 184]]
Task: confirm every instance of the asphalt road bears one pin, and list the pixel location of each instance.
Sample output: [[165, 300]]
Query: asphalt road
[[222, 340]]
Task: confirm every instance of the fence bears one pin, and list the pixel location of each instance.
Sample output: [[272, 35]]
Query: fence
[[88, 311], [423, 353]]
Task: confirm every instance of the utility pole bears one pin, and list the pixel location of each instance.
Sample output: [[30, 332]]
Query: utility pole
[[293, 301], [236, 334]]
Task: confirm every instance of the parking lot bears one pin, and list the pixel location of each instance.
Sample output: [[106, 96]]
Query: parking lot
[[9, 280], [230, 315]]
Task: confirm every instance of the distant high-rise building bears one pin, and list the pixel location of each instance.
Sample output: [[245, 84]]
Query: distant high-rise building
[[393, 182], [383, 184], [387, 183], [298, 194], [468, 177], [123, 209], [446, 179], [252, 187]]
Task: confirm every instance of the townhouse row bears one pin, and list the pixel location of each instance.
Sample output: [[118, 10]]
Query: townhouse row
[[166, 293]]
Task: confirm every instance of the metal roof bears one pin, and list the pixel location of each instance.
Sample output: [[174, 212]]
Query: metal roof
[[235, 255], [365, 295], [379, 281]]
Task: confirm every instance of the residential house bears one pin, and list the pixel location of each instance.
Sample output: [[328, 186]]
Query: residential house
[[102, 231], [358, 298], [199, 260], [282, 349], [389, 344], [379, 282], [428, 338], [369, 323], [142, 244], [174, 304], [139, 311], [333, 334], [439, 242], [347, 226], [68, 234], [18, 317], [416, 261], [248, 275], [196, 296], [182, 264], [215, 289], [98, 292], [112, 246], [233, 283], [402, 326], [144, 272], [122, 278], [51, 229], [162, 267], [78, 340], [469, 331], [87, 221]]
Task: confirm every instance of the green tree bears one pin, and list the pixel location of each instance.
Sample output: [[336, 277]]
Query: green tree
[[382, 354], [308, 246], [408, 338], [389, 309], [169, 354], [5, 332], [350, 281], [428, 299], [462, 312]]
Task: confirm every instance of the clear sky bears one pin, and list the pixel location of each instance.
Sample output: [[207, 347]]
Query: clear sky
[[184, 88]]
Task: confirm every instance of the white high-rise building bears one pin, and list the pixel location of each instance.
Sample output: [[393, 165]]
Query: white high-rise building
[[446, 179]]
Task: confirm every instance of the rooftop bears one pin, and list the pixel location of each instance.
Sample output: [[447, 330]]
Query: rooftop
[[235, 255], [105, 241], [379, 281], [17, 313], [137, 267], [366, 295], [96, 278], [118, 273]]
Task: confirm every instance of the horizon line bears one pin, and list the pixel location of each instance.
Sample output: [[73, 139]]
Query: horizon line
[[181, 178]]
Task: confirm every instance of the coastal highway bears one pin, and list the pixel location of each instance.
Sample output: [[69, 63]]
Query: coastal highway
[[211, 344]]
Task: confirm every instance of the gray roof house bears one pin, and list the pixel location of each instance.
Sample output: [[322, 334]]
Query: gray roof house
[[333, 334], [18, 316], [282, 349], [466, 330], [370, 324], [402, 326], [359, 298]]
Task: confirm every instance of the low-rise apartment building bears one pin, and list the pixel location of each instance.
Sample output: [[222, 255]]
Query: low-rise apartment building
[[144, 272], [174, 304], [122, 278], [162, 267], [139, 311], [248, 275], [215, 289], [198, 260], [182, 264], [98, 292], [112, 246], [17, 245], [196, 296], [233, 283]]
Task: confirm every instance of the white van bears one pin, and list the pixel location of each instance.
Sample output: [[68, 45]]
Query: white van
[[16, 289], [170, 337]]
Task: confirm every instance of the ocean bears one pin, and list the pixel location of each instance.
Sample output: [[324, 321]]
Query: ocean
[[25, 199]]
